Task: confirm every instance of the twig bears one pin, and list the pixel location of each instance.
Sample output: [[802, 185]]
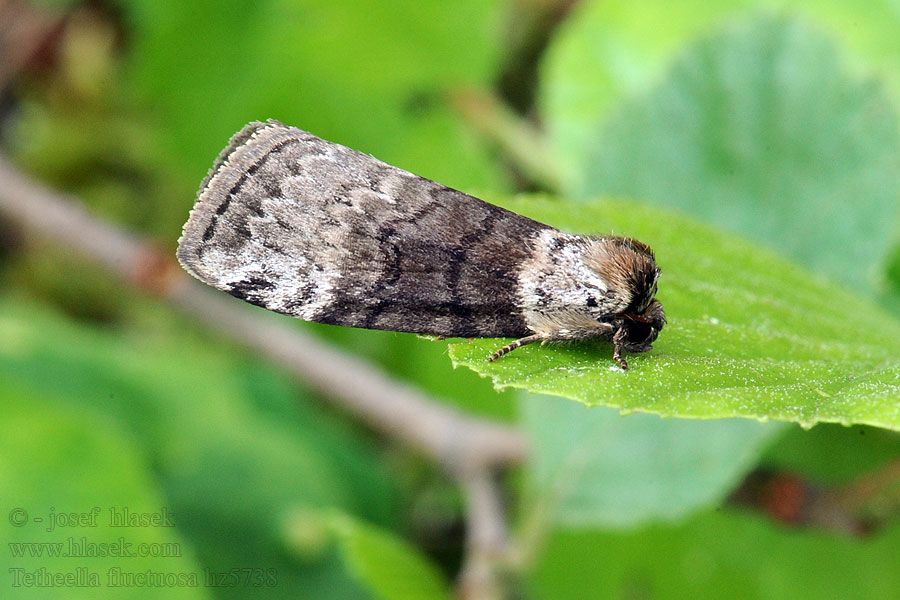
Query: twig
[[456, 441], [487, 546], [25, 29], [530, 27], [469, 449], [519, 140]]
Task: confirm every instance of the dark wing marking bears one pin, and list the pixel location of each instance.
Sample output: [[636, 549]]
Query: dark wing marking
[[312, 229]]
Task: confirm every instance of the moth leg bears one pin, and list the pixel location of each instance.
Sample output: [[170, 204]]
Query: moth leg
[[516, 344], [618, 343]]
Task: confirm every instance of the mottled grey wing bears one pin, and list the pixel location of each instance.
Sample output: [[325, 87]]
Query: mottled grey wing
[[312, 229]]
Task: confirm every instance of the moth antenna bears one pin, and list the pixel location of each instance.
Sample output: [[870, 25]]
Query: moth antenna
[[513, 345], [618, 343]]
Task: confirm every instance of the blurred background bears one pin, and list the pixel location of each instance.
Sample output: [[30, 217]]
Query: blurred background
[[772, 120]]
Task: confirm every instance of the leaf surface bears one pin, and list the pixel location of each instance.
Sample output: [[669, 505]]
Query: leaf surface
[[749, 334]]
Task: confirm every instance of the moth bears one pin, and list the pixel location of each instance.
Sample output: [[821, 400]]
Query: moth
[[312, 229]]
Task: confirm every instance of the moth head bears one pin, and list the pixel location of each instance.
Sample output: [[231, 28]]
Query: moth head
[[642, 329], [629, 269]]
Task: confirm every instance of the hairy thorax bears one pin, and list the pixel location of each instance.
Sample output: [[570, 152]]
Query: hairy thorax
[[576, 287]]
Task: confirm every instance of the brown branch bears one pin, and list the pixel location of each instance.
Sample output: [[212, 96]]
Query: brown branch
[[470, 449], [26, 31], [456, 441], [859, 508], [520, 141], [530, 26], [487, 544]]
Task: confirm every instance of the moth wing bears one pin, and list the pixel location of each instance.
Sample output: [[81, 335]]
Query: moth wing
[[313, 229]]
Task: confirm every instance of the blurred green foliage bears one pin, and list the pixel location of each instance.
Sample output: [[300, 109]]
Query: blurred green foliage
[[708, 555], [577, 476], [775, 121], [762, 128]]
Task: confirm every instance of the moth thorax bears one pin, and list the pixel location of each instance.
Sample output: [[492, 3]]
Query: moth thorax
[[629, 268]]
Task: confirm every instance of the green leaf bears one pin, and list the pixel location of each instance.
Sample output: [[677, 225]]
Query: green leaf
[[718, 554], [595, 468], [749, 334], [893, 275], [831, 454], [235, 445], [616, 49], [369, 75], [606, 51], [761, 128], [765, 128], [388, 566], [60, 461]]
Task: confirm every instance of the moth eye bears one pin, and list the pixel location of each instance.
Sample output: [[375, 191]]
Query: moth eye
[[592, 302]]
